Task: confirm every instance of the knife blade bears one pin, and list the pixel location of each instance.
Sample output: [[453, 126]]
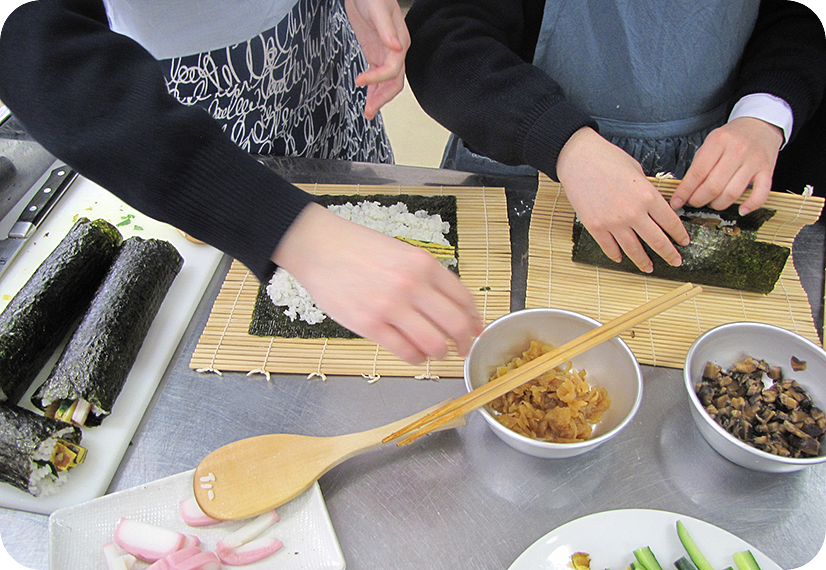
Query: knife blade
[[34, 213]]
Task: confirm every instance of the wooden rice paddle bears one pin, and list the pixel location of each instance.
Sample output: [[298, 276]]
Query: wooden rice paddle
[[257, 474]]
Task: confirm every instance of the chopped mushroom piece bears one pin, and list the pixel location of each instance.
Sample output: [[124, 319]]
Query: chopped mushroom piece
[[779, 419], [798, 365]]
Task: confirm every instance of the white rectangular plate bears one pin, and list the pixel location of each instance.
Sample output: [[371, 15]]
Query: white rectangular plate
[[77, 534], [108, 442]]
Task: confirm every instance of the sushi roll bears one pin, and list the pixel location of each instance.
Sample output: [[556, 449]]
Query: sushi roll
[[40, 315], [36, 452], [719, 256], [91, 372]]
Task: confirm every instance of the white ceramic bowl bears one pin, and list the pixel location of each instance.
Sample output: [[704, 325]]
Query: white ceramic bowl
[[610, 364], [730, 343]]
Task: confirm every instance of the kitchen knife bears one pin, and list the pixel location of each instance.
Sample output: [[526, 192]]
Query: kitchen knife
[[34, 213]]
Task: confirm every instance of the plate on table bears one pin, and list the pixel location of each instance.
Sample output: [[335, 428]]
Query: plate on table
[[611, 537], [107, 443], [77, 534]]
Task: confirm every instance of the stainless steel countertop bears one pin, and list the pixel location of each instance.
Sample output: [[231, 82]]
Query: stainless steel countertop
[[462, 498]]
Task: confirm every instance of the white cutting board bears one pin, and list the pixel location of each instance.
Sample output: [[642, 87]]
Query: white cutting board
[[108, 442]]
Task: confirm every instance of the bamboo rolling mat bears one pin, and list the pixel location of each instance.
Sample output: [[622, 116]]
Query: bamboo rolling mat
[[484, 256], [603, 294]]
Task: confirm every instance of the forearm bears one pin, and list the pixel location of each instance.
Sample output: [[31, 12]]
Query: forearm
[[98, 101], [467, 67]]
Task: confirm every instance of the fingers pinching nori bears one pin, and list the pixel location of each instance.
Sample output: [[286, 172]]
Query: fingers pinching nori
[[40, 315], [93, 368]]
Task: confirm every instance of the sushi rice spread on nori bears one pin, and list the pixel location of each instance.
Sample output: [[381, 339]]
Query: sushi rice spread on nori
[[36, 452], [285, 308], [93, 368]]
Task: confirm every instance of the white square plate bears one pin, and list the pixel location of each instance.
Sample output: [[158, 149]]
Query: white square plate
[[77, 534]]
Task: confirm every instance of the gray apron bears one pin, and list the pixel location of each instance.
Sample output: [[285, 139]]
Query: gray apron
[[656, 76]]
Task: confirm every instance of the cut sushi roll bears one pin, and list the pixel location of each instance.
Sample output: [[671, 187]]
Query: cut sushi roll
[[40, 315], [93, 368], [36, 452]]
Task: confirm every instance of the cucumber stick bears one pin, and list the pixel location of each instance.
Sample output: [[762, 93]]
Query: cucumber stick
[[647, 559], [745, 560], [684, 564], [691, 548]]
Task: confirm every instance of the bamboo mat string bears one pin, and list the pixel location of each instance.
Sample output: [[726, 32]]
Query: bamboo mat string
[[649, 324], [263, 370], [486, 288], [599, 295], [697, 320], [427, 375], [318, 373], [211, 368], [782, 285], [374, 376], [797, 215], [549, 235]]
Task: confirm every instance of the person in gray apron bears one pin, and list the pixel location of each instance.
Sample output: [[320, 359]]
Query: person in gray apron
[[655, 79]]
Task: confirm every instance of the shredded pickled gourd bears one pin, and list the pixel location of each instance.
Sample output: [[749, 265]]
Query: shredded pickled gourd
[[558, 406]]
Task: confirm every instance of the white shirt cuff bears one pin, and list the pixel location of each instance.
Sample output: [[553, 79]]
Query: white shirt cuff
[[766, 107]]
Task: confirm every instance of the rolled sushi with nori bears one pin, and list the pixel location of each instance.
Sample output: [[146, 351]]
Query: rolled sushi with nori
[[92, 370], [41, 314], [36, 453]]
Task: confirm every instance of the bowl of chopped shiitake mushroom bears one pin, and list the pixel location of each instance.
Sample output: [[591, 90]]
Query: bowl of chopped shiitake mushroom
[[757, 393], [567, 410]]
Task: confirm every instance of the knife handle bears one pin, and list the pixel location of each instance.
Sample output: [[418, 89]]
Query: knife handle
[[42, 202]]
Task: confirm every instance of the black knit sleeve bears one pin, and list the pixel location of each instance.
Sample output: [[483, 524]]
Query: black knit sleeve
[[98, 101]]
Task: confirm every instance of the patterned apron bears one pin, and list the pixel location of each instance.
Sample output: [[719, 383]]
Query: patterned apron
[[656, 76], [289, 91]]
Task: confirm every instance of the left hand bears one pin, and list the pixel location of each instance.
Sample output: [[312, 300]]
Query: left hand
[[741, 152], [382, 33]]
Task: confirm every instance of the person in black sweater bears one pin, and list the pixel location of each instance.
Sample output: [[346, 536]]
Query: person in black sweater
[[598, 94], [99, 101]]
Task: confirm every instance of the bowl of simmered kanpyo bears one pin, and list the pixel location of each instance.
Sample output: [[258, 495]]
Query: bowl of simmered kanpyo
[[757, 393], [568, 410]]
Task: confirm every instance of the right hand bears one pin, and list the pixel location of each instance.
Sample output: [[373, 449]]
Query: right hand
[[380, 29], [379, 287], [616, 202]]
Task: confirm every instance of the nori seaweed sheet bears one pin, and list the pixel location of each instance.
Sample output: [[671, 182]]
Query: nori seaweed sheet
[[99, 355], [269, 319], [712, 258], [40, 315], [21, 433]]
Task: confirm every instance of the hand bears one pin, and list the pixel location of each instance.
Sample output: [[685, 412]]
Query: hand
[[383, 289], [382, 33], [616, 202], [741, 152]]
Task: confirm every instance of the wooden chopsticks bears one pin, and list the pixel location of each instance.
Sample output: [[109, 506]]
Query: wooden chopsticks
[[530, 370]]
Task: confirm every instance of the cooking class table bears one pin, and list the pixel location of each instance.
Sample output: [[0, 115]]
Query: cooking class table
[[461, 498]]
